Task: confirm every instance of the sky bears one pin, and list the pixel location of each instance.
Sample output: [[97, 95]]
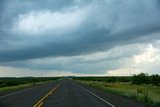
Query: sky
[[79, 37]]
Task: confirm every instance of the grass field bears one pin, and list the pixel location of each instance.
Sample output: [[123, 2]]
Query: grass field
[[144, 93], [9, 88], [7, 84]]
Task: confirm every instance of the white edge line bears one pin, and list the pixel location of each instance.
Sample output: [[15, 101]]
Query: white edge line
[[97, 96], [16, 92]]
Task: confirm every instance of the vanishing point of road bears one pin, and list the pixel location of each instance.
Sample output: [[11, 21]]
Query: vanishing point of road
[[65, 93]]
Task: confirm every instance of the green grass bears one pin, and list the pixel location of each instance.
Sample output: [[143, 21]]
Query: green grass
[[15, 87], [144, 93], [10, 88]]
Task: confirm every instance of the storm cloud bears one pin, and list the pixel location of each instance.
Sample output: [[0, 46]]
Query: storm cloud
[[81, 28], [35, 30]]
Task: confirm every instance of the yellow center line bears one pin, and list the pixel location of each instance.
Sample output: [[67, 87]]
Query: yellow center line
[[40, 104], [41, 101]]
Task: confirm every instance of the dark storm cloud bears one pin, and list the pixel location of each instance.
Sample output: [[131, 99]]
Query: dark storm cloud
[[107, 24]]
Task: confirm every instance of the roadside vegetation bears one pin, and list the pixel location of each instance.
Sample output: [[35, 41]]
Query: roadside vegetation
[[17, 83], [141, 87]]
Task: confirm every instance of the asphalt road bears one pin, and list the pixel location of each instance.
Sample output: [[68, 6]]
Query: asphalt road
[[65, 93]]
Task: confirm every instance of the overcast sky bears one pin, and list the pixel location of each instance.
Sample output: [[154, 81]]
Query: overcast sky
[[79, 37]]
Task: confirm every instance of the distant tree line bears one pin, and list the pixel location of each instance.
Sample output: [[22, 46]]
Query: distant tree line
[[6, 82], [106, 79], [142, 78]]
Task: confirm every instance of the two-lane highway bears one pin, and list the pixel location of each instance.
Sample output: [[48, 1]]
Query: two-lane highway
[[66, 93], [71, 94]]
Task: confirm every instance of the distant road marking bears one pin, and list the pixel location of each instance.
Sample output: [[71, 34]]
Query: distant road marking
[[16, 92], [97, 96], [41, 101]]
